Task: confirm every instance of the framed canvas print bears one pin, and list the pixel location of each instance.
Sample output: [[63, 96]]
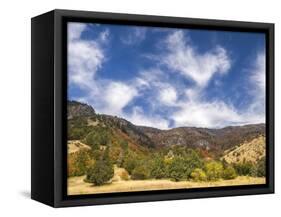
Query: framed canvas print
[[134, 108]]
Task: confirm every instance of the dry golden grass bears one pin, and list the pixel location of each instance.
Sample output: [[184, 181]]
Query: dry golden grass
[[76, 145], [76, 185], [249, 151]]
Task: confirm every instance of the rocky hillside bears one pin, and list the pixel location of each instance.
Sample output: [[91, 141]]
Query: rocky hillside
[[211, 140], [251, 151], [77, 109]]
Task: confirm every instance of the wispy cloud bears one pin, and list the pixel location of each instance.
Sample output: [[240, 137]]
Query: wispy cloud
[[174, 86], [75, 30], [117, 96], [256, 108], [184, 58], [199, 69], [85, 58], [194, 109], [135, 36], [143, 118]]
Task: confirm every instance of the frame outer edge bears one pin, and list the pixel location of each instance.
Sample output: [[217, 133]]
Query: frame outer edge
[[59, 201]]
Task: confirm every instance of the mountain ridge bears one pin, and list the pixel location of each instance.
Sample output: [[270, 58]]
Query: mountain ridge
[[213, 140]]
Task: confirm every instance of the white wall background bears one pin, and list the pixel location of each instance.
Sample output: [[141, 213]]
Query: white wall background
[[15, 106]]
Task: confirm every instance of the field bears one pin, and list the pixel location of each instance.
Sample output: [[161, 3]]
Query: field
[[76, 185]]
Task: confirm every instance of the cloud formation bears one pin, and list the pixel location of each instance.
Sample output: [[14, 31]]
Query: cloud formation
[[85, 57], [256, 108], [183, 58], [135, 36], [171, 92]]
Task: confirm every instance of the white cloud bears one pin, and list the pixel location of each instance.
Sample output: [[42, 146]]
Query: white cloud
[[186, 104], [194, 109], [75, 30], [258, 72], [103, 37], [85, 57], [184, 58], [256, 110], [161, 90], [117, 96], [215, 114], [135, 36], [168, 96], [206, 114], [141, 118]]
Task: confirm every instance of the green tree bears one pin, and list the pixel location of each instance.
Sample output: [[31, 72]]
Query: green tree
[[229, 173], [183, 162], [261, 171], [140, 172], [123, 152], [177, 169], [130, 162], [158, 167], [99, 136], [245, 169], [100, 173]]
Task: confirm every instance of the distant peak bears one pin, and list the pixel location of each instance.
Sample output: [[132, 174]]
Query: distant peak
[[78, 109]]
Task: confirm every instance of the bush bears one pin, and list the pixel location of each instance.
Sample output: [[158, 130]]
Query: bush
[[124, 175], [245, 169], [140, 172], [124, 145], [79, 162], [78, 129], [214, 170], [182, 162], [261, 167], [76, 133], [130, 162], [229, 173], [198, 175], [99, 136], [100, 173], [121, 150], [178, 169], [158, 168]]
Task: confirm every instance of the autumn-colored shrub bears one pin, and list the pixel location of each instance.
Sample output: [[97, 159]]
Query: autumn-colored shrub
[[124, 175], [214, 170], [198, 175], [79, 162]]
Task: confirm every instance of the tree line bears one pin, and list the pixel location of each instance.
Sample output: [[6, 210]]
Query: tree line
[[176, 164]]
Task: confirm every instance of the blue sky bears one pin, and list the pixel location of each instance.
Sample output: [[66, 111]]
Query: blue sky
[[167, 77]]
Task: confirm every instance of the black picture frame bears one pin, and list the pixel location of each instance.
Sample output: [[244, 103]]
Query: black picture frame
[[49, 110]]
